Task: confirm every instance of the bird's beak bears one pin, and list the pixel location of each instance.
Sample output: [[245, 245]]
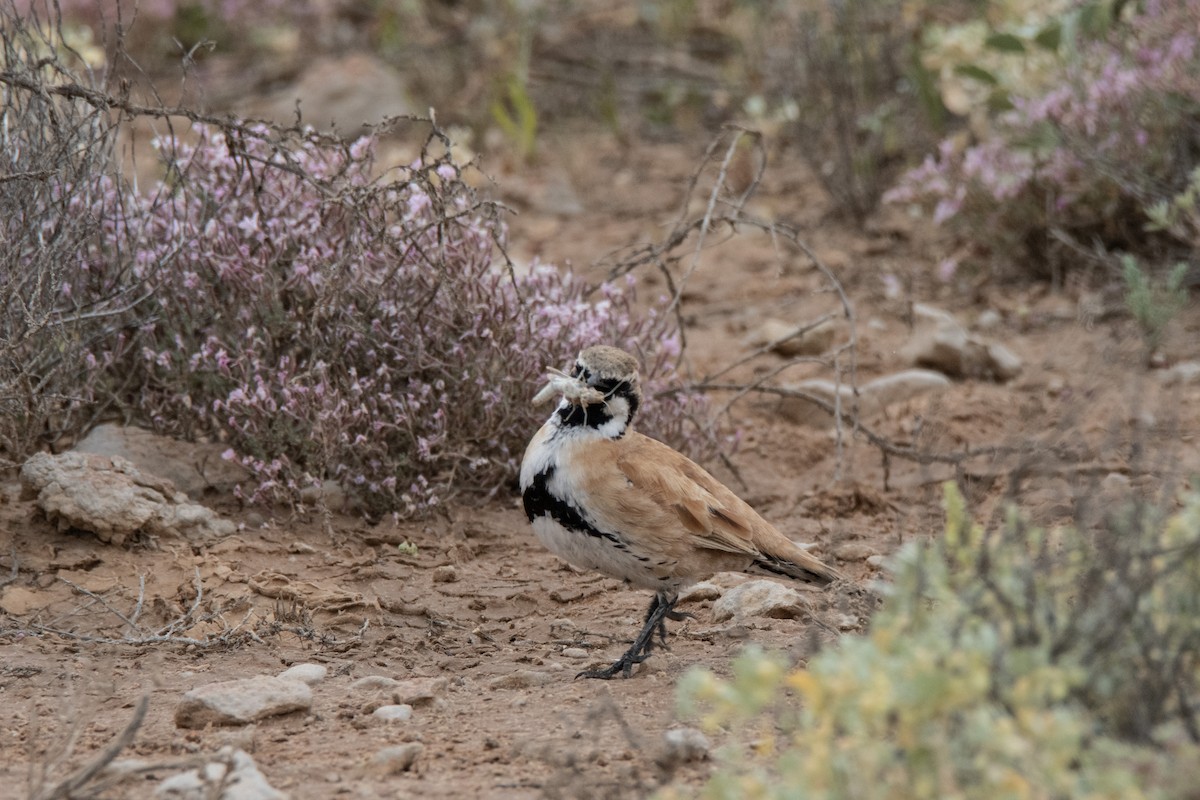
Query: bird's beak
[[575, 390]]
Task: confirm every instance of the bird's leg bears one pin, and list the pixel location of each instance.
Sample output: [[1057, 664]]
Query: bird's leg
[[662, 608]]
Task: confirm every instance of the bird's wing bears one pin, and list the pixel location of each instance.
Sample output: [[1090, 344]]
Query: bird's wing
[[713, 516]]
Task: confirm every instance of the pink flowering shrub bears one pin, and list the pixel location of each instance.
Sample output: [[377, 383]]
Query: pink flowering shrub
[[1113, 135], [330, 326]]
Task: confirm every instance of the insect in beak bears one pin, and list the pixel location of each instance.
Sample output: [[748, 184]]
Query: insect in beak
[[575, 390]]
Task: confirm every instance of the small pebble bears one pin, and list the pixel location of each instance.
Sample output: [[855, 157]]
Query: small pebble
[[400, 713], [446, 574], [372, 682], [847, 622], [575, 652], [311, 674], [683, 745], [396, 759], [854, 551]]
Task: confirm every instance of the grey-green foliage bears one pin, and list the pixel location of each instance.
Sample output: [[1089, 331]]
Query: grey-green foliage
[[1018, 662], [1153, 303]]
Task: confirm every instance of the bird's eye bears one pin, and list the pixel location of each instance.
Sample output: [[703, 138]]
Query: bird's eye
[[579, 372]]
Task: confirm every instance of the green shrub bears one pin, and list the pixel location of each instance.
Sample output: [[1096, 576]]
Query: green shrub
[[1015, 663]]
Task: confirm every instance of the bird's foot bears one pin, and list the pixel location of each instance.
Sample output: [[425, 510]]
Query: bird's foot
[[622, 666]]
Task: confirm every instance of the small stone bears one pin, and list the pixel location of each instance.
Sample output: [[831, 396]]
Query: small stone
[[234, 777], [760, 599], [445, 574], [239, 702], [1183, 373], [1115, 482], [705, 590], [877, 561], [683, 746], [301, 548], [396, 759], [521, 679], [939, 342], [311, 674], [577, 653], [988, 319], [418, 691], [371, 683], [847, 622], [394, 713], [873, 397], [854, 551], [810, 343]]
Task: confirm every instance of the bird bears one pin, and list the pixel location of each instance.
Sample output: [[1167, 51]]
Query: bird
[[604, 497]]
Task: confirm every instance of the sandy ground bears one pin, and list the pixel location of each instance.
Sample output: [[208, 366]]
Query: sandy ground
[[482, 606]]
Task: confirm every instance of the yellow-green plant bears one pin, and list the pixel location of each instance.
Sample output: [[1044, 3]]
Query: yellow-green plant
[[1015, 663]]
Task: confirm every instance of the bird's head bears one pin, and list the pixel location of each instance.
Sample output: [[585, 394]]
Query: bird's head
[[601, 391]]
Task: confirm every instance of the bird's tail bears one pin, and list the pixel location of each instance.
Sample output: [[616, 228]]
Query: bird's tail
[[794, 562]]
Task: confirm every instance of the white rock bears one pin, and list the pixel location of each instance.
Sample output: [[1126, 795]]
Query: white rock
[[394, 713], [191, 466], [1183, 373], [873, 396], [234, 777], [940, 342], [854, 551], [112, 498], [418, 691], [988, 319], [311, 674], [1002, 363], [396, 759], [812, 342], [371, 683], [577, 653], [349, 91], [705, 590], [847, 622], [242, 701], [760, 599], [684, 745]]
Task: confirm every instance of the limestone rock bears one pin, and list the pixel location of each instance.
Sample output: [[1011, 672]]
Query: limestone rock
[[760, 599], [192, 467], [232, 776], [812, 342], [305, 673], [855, 551], [682, 746], [418, 691], [1184, 373], [940, 342], [349, 92], [393, 713], [396, 759], [112, 498], [242, 701], [873, 396]]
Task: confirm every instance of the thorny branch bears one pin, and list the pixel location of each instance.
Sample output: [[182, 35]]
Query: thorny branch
[[167, 634], [69, 786]]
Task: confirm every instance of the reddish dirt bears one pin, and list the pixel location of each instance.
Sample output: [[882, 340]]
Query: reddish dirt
[[338, 591]]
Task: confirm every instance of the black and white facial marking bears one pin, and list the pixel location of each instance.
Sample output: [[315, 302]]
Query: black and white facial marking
[[611, 417]]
